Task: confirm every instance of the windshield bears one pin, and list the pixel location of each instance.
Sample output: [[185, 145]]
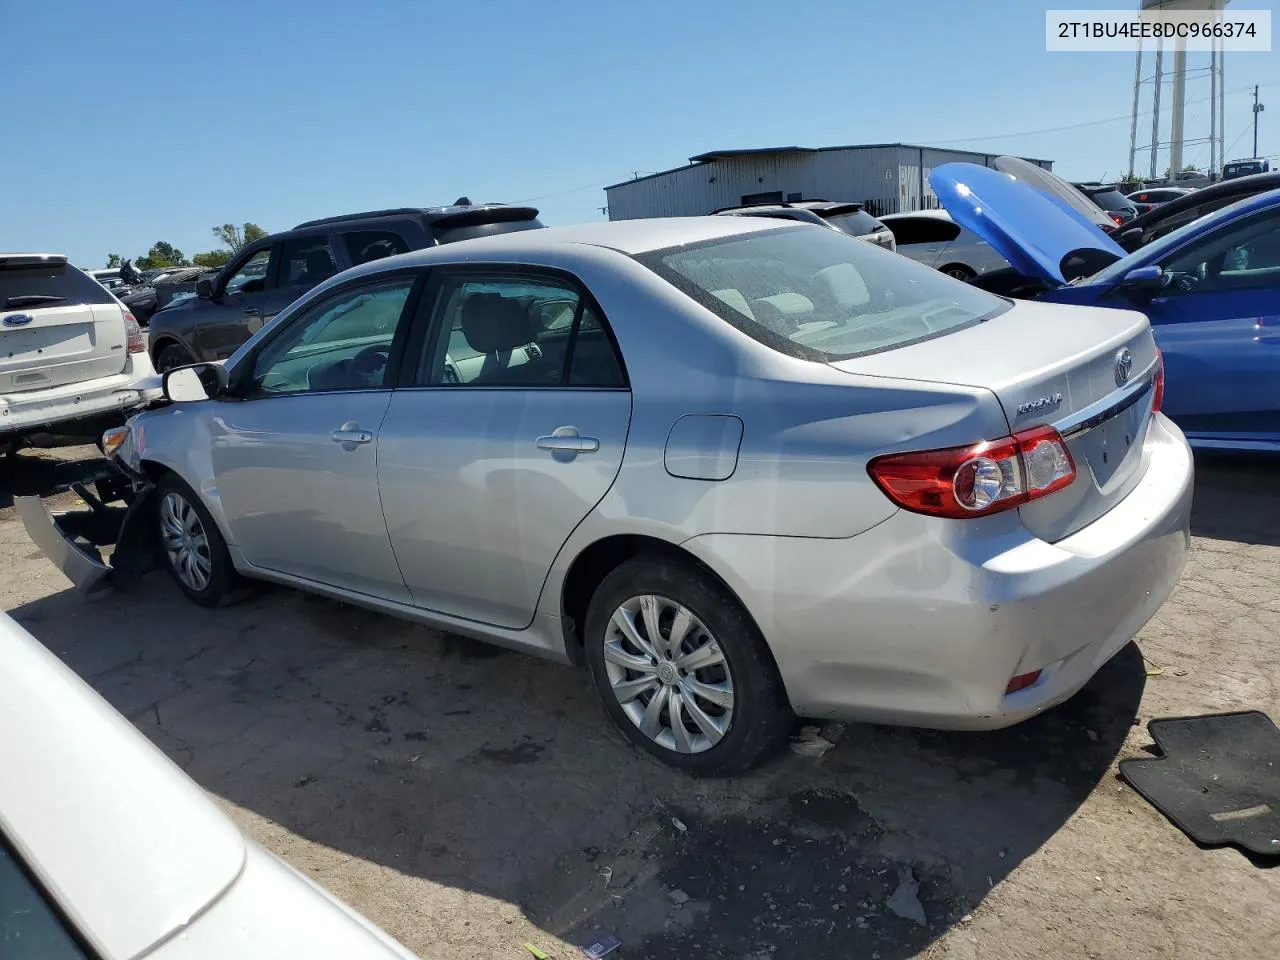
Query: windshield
[[857, 223], [820, 294], [30, 928], [1241, 170]]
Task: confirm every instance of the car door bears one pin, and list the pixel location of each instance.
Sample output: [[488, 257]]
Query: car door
[[295, 457], [305, 262], [512, 431], [1218, 325], [235, 312]]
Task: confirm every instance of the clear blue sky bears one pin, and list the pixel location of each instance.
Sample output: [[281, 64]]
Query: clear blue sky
[[130, 123]]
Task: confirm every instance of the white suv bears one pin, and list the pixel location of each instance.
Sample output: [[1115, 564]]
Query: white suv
[[69, 350]]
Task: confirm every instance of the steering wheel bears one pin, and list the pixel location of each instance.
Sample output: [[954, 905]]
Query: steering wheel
[[370, 364], [1182, 282]]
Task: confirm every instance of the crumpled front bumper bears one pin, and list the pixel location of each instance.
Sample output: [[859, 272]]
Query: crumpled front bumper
[[73, 540]]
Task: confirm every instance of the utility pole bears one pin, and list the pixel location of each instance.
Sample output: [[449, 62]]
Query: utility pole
[[1257, 109]]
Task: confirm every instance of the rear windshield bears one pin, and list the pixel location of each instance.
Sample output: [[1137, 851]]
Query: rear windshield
[[857, 224], [29, 288], [820, 294], [1112, 200], [1241, 169]]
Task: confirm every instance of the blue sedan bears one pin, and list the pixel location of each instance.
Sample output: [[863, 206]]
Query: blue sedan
[[1211, 290]]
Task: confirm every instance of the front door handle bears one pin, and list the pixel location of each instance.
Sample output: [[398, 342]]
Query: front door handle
[[567, 443], [350, 433]]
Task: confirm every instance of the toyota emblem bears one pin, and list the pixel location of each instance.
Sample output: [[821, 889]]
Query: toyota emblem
[[1124, 366]]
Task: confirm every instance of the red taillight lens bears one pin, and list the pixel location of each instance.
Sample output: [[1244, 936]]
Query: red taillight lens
[[1118, 219], [137, 342], [1022, 681], [1158, 400], [974, 481]]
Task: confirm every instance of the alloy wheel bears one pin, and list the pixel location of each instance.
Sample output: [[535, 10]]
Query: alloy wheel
[[669, 674], [185, 542]]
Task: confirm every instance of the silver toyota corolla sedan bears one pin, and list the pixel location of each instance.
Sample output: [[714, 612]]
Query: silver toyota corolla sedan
[[741, 470]]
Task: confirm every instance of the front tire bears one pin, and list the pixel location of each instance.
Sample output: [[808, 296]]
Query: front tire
[[172, 356], [681, 668], [191, 547]]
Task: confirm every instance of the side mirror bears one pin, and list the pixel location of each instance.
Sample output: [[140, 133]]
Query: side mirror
[[200, 381], [1144, 280], [204, 288]]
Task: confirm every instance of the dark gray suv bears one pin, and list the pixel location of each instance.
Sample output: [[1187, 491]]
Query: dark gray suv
[[266, 276]]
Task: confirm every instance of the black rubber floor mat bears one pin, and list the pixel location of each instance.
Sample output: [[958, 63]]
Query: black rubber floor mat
[[1219, 778]]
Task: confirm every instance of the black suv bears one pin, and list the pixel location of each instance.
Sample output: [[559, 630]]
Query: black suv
[[266, 276], [1178, 213], [850, 218]]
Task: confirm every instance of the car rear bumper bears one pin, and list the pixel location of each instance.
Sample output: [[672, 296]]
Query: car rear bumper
[[41, 410], [918, 622]]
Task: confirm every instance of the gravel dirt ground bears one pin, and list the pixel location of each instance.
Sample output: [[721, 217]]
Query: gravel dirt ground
[[470, 800]]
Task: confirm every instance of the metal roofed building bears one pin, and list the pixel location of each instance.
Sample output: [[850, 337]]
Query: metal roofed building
[[887, 177]]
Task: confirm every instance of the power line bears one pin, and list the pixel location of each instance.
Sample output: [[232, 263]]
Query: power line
[[1070, 126]]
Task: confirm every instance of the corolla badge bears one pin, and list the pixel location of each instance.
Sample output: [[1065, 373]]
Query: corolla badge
[[1039, 404], [1124, 366], [18, 319]]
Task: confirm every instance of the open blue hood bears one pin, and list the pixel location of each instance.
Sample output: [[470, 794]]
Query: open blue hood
[[1040, 234]]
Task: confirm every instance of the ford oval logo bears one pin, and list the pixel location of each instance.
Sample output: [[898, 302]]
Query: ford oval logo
[[1124, 366], [18, 319]]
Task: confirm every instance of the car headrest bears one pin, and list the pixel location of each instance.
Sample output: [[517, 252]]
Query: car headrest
[[492, 322], [319, 264]]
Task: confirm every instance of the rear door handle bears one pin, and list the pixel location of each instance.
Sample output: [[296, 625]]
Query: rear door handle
[[350, 432], [567, 440]]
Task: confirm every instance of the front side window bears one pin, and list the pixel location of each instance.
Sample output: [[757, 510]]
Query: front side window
[[517, 332], [1245, 255], [306, 261], [252, 274], [342, 343], [819, 294]]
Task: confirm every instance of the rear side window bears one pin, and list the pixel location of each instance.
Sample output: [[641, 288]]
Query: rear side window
[[819, 294], [306, 261], [367, 245], [911, 230], [29, 288]]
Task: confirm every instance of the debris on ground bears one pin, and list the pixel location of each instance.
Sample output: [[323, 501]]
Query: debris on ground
[[679, 824], [537, 954], [605, 944], [810, 743], [905, 901], [678, 897]]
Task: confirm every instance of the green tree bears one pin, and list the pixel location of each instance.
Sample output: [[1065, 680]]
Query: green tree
[[214, 259], [236, 237], [160, 255], [114, 260]]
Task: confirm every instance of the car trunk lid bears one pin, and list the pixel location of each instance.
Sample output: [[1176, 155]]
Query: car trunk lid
[[57, 325], [1057, 365]]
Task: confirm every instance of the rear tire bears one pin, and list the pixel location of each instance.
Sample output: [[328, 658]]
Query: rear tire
[[712, 703], [171, 356], [959, 271], [192, 548]]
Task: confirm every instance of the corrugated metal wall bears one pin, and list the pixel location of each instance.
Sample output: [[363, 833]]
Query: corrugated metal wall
[[887, 179]]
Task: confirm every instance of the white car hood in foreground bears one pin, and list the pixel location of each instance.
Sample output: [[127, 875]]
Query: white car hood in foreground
[[140, 860], [121, 838]]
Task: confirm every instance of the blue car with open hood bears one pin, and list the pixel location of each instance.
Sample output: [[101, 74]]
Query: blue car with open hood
[[1211, 290]]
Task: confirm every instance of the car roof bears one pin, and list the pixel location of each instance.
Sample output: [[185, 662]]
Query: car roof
[[456, 214], [127, 845], [1256, 183]]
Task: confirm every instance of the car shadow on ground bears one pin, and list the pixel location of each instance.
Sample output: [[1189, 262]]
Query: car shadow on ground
[[1237, 498], [491, 772]]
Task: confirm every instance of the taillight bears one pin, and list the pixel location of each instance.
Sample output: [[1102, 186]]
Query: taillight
[[974, 481], [1118, 219], [137, 342], [1157, 401]]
